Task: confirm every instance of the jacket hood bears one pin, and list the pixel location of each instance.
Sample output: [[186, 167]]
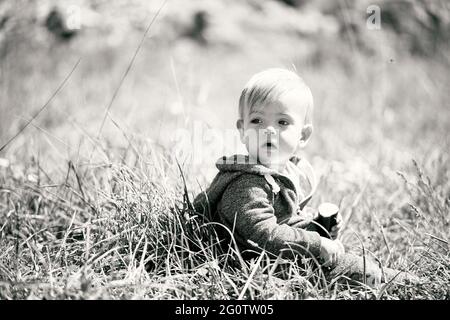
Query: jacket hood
[[242, 163], [234, 166]]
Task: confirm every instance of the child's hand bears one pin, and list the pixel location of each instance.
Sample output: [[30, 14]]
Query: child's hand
[[330, 251], [334, 232]]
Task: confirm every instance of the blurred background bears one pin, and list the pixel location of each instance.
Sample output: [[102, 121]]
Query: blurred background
[[380, 87]]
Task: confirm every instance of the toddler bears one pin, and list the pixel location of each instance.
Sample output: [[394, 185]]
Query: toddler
[[260, 198]]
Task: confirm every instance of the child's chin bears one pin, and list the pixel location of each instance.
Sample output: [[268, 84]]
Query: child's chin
[[268, 159]]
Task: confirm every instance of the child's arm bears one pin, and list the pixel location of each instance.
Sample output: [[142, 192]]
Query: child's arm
[[247, 203], [330, 251]]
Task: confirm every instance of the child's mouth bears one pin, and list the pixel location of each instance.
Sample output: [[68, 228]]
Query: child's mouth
[[269, 145]]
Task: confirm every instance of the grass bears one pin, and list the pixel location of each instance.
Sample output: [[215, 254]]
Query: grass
[[118, 225], [111, 231]]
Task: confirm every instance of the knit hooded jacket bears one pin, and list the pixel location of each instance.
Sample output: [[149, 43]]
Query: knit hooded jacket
[[261, 207]]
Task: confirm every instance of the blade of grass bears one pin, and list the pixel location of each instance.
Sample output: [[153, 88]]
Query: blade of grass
[[43, 107]]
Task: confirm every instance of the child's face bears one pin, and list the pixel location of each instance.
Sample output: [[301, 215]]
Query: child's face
[[273, 132]]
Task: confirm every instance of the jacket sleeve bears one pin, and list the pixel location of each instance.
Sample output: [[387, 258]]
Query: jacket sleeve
[[246, 208]]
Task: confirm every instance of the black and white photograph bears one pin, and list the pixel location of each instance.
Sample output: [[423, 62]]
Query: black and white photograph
[[240, 152]]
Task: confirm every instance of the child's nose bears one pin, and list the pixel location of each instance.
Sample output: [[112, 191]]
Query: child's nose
[[270, 130]]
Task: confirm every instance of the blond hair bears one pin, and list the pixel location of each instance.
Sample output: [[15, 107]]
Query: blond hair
[[269, 85]]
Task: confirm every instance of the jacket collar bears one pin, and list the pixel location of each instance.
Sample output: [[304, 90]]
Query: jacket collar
[[243, 164]]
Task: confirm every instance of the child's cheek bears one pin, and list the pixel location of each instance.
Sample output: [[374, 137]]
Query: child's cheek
[[289, 140], [251, 140]]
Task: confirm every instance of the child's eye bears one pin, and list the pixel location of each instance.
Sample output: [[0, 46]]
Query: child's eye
[[256, 121], [283, 123]]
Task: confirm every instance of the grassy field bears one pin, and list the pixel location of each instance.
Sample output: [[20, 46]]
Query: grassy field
[[85, 215]]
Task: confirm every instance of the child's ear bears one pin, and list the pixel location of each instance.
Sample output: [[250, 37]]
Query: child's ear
[[240, 127], [306, 135]]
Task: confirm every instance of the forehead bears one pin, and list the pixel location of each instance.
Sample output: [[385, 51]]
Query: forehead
[[290, 103]]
